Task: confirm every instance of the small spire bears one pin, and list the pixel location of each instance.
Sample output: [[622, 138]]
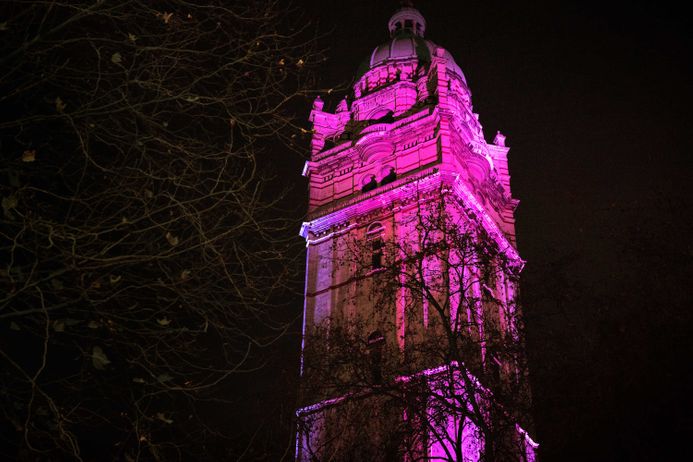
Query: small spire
[[318, 103]]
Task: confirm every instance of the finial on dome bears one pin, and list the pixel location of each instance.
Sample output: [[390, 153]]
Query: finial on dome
[[407, 20]]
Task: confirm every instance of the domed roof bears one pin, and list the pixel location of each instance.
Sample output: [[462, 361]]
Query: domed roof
[[403, 46], [407, 27], [408, 47]]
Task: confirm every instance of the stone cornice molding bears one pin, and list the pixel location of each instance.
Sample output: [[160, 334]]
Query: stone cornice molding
[[403, 190]]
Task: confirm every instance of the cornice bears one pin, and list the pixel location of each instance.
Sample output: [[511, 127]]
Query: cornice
[[408, 188]]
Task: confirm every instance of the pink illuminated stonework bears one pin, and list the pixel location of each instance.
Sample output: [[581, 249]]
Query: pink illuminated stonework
[[398, 167]]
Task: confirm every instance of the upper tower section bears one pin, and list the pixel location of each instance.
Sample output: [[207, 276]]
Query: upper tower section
[[407, 20], [407, 28], [408, 115]]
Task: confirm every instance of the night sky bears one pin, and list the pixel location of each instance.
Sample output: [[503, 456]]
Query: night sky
[[595, 102]]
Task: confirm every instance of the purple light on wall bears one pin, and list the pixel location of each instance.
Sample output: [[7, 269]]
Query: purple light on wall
[[407, 131]]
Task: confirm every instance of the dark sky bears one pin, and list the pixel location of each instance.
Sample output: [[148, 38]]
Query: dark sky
[[595, 102]]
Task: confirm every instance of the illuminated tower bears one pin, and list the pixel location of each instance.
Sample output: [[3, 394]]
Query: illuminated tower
[[402, 178]]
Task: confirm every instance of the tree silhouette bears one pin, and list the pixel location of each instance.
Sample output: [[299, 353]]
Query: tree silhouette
[[451, 381], [141, 244]]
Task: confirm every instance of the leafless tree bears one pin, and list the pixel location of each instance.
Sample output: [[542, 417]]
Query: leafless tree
[[141, 245], [429, 362]]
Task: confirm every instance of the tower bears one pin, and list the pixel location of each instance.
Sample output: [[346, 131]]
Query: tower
[[412, 334]]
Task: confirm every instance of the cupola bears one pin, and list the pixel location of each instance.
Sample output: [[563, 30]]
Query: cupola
[[407, 20]]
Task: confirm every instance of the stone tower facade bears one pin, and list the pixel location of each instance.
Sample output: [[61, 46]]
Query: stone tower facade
[[412, 334]]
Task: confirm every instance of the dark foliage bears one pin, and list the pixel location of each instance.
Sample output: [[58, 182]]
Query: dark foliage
[[142, 250]]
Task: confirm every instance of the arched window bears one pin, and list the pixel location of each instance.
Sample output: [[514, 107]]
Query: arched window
[[389, 177], [381, 116], [369, 183], [374, 236], [376, 341], [386, 118]]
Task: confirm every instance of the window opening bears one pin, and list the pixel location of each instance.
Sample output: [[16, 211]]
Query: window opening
[[377, 253], [390, 177], [375, 356], [370, 185], [374, 234]]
